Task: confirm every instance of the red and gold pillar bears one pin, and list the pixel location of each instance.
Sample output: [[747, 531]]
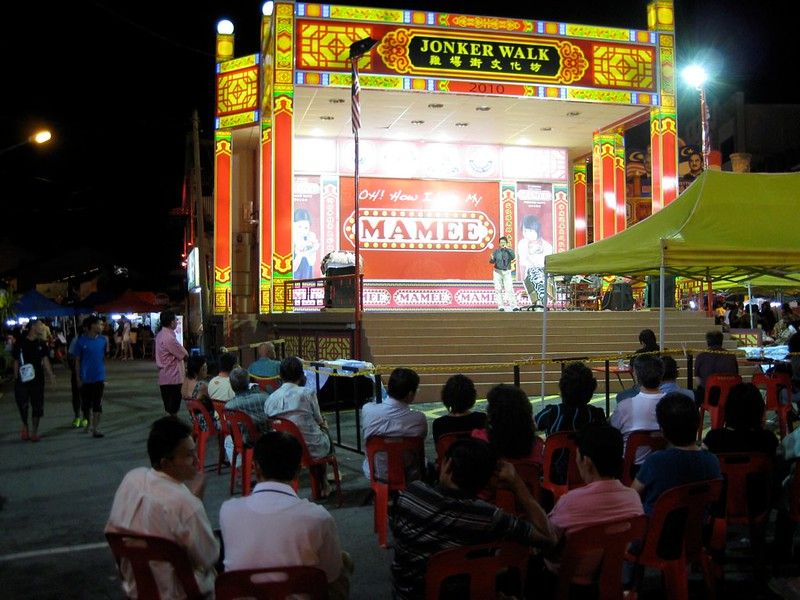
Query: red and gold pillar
[[223, 232], [663, 118], [604, 184], [620, 183], [282, 135], [265, 159], [579, 223]]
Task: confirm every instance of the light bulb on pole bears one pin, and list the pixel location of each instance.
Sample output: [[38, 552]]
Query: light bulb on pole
[[696, 76]]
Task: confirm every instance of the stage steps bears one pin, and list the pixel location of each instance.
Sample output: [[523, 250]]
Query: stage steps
[[453, 339]]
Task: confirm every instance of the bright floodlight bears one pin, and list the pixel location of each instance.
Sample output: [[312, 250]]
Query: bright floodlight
[[225, 27], [40, 137], [695, 76], [267, 8]]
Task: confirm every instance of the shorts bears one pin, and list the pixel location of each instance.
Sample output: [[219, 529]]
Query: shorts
[[30, 394], [92, 397], [171, 396]]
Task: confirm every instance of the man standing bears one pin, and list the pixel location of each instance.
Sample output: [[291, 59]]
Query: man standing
[[90, 369], [166, 501], [300, 532], [503, 260], [30, 363], [266, 365], [393, 417], [169, 360]]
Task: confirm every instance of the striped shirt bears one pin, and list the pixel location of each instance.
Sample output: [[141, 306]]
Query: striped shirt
[[562, 417], [429, 520]]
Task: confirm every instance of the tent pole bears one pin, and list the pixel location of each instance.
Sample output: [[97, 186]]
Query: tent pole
[[750, 300], [661, 298], [544, 334], [710, 296]]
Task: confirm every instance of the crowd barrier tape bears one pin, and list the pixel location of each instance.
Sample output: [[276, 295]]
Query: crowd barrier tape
[[254, 345]]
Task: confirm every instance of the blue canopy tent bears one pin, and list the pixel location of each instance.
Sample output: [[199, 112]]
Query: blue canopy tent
[[33, 304]]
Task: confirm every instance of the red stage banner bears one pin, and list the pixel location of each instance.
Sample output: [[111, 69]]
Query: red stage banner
[[422, 230]]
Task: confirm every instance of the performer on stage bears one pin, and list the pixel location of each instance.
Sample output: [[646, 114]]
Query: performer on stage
[[503, 260], [532, 249]]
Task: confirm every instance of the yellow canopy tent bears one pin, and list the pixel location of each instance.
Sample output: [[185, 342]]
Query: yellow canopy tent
[[733, 226]]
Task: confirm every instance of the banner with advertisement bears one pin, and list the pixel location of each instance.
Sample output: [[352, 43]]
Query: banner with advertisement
[[413, 229], [306, 227], [534, 234]]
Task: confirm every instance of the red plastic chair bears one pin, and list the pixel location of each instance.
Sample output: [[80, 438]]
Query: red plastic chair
[[609, 542], [674, 535], [267, 384], [773, 383], [724, 383], [309, 461], [224, 431], [445, 441], [395, 449], [271, 584], [198, 413], [237, 421], [640, 438], [553, 446], [481, 562], [141, 550], [746, 500], [531, 474]]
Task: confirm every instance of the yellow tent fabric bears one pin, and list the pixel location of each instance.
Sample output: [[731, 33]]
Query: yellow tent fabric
[[725, 225]]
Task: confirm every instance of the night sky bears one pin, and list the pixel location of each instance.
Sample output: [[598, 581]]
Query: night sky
[[117, 83]]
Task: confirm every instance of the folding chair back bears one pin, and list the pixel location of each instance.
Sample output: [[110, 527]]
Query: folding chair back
[[267, 384], [640, 438], [724, 383], [198, 414], [481, 563], [444, 442], [531, 473], [609, 541], [774, 383], [239, 422], [140, 550], [748, 481], [556, 447], [272, 584]]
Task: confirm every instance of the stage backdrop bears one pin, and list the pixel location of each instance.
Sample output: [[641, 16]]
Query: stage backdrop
[[415, 229]]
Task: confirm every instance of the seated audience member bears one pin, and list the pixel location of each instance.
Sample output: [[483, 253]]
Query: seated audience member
[[602, 499], [298, 404], [647, 342], [458, 395], [577, 386], [299, 532], [219, 388], [794, 369], [712, 363], [166, 501], [248, 400], [195, 385], [394, 417], [639, 412], [266, 365], [786, 326], [669, 382], [430, 519], [510, 428], [743, 431], [682, 461]]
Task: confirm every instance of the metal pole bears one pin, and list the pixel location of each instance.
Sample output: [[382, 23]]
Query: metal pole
[[750, 300], [704, 117], [661, 299], [357, 241], [544, 335]]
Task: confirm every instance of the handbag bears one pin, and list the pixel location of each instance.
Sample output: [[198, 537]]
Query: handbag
[[26, 371]]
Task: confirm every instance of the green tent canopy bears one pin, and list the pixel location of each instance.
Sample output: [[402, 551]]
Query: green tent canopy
[[733, 226]]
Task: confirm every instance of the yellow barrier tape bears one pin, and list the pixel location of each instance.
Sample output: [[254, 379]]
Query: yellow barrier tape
[[253, 345]]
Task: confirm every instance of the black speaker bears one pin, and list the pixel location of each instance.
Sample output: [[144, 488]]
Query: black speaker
[[653, 286], [340, 293], [618, 297]]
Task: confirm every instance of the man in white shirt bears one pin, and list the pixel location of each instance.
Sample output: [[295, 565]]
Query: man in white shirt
[[219, 388], [166, 501], [639, 412], [274, 528], [393, 417]]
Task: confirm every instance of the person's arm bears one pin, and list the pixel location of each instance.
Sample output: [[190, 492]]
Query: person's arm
[[637, 486], [200, 542], [48, 369], [16, 369], [534, 514], [492, 259], [176, 348]]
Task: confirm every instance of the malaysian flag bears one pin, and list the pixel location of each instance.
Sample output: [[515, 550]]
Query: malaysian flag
[[356, 101]]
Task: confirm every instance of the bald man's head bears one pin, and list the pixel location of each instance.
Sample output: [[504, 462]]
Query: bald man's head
[[266, 350]]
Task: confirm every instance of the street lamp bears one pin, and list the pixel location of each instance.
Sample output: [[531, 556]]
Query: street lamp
[[40, 137], [357, 50], [696, 76]]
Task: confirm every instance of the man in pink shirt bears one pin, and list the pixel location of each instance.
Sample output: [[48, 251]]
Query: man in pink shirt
[[603, 499], [169, 360]]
